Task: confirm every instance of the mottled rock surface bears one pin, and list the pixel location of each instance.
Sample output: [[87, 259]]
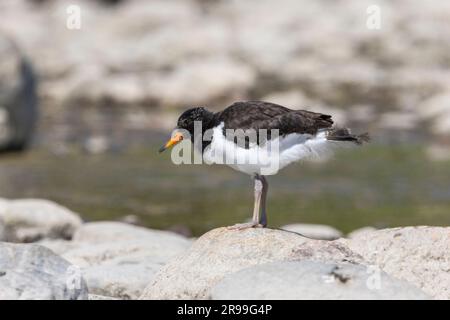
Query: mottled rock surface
[[419, 255], [303, 280]]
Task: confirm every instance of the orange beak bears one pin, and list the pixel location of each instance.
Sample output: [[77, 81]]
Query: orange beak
[[173, 141]]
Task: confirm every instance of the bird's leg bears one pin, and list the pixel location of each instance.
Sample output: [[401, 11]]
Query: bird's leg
[[260, 189], [263, 215]]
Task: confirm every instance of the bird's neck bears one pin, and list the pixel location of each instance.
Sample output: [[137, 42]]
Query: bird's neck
[[209, 120]]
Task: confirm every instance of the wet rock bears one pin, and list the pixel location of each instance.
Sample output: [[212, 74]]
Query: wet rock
[[314, 231], [29, 271], [28, 220], [220, 252], [18, 100], [419, 255], [304, 280]]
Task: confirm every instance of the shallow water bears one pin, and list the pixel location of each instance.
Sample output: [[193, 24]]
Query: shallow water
[[381, 186]]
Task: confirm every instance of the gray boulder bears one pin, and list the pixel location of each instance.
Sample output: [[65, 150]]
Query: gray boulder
[[29, 271], [28, 220], [302, 280], [419, 255], [221, 251], [117, 259], [314, 231]]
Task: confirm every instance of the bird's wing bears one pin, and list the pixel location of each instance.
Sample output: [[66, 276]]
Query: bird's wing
[[265, 115]]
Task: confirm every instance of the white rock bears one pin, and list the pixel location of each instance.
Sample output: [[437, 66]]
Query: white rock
[[419, 255], [314, 231], [304, 280], [221, 251], [27, 220], [29, 271]]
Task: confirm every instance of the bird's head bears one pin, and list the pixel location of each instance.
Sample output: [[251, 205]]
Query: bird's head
[[186, 122], [187, 118]]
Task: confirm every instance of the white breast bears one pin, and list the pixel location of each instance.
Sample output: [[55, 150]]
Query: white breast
[[267, 160]]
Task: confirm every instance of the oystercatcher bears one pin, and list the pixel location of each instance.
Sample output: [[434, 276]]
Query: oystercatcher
[[289, 135]]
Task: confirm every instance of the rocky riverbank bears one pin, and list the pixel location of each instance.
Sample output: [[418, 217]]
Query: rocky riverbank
[[69, 259]]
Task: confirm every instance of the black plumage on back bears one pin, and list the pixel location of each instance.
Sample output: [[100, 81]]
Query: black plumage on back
[[269, 116], [265, 115]]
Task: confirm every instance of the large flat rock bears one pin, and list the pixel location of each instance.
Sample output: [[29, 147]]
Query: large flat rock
[[221, 252]]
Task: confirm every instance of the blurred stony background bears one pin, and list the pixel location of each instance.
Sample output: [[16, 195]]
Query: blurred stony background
[[115, 87], [135, 63]]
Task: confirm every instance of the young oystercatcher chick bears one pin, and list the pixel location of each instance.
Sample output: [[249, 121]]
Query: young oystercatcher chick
[[259, 138]]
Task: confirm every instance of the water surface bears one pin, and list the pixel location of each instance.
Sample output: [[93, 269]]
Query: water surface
[[381, 186]]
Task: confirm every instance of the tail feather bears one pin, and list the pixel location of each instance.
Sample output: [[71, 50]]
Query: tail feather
[[344, 134]]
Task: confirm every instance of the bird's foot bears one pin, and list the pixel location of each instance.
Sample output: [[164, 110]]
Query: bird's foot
[[242, 226]]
